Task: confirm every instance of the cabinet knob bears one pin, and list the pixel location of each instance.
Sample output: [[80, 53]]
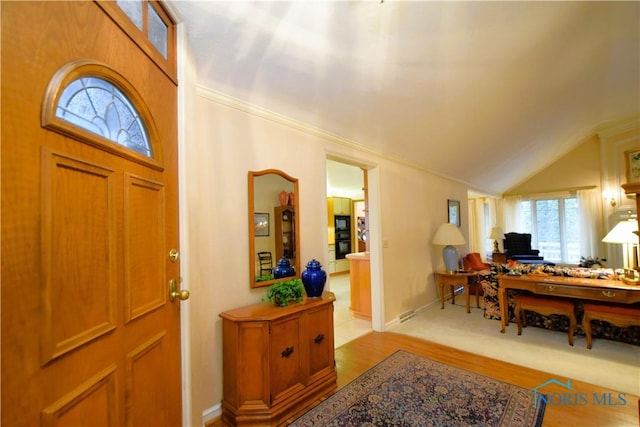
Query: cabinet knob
[[609, 294], [287, 352], [318, 339], [550, 288]]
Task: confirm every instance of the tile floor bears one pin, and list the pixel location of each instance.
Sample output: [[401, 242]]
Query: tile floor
[[346, 327]]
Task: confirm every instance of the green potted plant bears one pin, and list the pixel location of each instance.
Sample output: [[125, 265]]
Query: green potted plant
[[592, 262], [284, 292]]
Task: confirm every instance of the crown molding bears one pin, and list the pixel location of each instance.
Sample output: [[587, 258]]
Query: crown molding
[[244, 106], [264, 113], [614, 128]]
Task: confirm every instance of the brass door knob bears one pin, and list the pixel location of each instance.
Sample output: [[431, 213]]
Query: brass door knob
[[174, 292]]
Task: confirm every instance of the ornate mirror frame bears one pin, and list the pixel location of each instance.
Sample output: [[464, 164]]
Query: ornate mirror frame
[[265, 204]]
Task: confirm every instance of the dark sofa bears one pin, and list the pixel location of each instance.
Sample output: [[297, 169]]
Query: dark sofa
[[630, 334]]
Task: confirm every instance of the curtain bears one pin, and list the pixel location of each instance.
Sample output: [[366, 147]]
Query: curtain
[[511, 214], [476, 226], [590, 212], [484, 213]]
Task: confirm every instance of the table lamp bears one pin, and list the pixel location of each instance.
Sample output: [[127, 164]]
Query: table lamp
[[624, 234], [496, 234], [448, 235]]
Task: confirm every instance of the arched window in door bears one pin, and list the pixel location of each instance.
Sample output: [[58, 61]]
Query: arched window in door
[[93, 103], [100, 107]]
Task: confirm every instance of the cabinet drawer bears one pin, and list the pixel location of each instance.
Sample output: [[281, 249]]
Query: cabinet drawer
[[579, 292]]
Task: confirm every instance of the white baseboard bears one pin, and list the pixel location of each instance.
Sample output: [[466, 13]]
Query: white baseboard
[[211, 413]]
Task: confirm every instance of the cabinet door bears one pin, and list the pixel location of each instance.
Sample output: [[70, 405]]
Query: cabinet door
[[346, 206], [319, 339], [337, 206], [286, 356], [341, 206], [332, 253], [342, 265]]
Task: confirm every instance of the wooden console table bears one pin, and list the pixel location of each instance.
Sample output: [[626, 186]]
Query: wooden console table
[[466, 279], [569, 287]]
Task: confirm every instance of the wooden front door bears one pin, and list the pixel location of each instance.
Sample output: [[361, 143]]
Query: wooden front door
[[90, 335]]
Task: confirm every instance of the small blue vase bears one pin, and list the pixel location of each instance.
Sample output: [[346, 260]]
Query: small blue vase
[[313, 279], [283, 269]]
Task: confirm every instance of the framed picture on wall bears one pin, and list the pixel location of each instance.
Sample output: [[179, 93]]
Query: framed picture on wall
[[632, 160], [261, 224], [453, 209]]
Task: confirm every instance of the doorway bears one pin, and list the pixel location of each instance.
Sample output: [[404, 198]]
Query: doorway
[[346, 198]]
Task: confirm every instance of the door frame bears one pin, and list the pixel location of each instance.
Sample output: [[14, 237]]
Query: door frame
[[184, 95], [375, 235]]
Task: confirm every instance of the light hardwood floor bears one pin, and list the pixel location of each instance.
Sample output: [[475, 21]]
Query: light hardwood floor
[[360, 354]]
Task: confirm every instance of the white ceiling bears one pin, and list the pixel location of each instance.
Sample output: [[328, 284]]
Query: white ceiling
[[486, 93], [344, 180]]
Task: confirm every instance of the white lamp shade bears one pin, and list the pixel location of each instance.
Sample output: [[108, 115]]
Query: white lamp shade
[[448, 234], [496, 233], [623, 232]]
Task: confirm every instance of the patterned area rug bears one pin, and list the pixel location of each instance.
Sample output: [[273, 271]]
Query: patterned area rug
[[410, 390]]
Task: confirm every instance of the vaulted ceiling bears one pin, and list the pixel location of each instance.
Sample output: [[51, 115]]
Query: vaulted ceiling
[[486, 93]]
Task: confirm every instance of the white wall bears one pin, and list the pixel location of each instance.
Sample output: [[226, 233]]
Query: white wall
[[228, 142]]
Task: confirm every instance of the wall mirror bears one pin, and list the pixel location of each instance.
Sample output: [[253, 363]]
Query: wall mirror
[[274, 229]]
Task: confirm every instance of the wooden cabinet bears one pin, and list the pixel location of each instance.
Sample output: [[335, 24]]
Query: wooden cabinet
[[632, 189], [332, 258], [498, 257], [342, 265], [276, 360], [285, 234], [338, 206], [336, 265], [360, 282]]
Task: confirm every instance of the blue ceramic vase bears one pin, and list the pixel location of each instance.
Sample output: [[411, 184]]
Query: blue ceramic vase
[[313, 279], [283, 269]]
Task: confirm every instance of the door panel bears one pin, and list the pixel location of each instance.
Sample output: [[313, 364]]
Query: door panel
[[93, 400], [285, 358], [320, 342], [146, 371], [78, 310], [88, 332], [145, 289]]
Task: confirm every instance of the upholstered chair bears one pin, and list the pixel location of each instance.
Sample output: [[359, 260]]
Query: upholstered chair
[[472, 261], [517, 246]]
